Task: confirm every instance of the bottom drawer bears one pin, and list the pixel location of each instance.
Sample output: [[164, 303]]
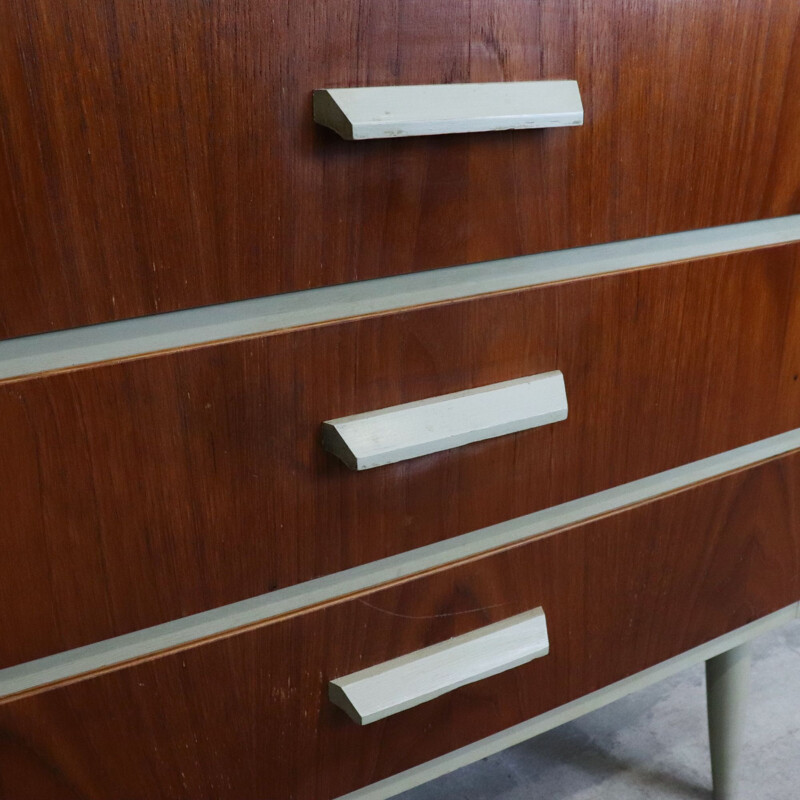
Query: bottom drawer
[[248, 715]]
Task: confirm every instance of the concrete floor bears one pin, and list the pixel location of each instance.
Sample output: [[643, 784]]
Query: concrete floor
[[652, 745]]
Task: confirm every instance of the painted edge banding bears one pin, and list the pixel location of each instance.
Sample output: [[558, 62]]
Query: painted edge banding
[[110, 341], [386, 689], [416, 776], [182, 632], [391, 112], [409, 430]]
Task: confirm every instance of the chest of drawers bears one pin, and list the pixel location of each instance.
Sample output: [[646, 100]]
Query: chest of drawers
[[186, 569]]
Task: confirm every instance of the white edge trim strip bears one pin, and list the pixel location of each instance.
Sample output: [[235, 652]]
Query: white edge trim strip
[[184, 631], [390, 112], [424, 773], [393, 686], [389, 435], [110, 341]]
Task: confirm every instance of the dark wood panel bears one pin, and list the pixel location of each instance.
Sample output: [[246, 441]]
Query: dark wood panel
[[162, 155], [247, 716], [138, 492]]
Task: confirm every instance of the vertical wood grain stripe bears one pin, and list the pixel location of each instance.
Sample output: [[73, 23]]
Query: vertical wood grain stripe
[[135, 337]]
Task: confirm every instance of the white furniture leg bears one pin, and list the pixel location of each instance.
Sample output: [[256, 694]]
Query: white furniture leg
[[726, 692]]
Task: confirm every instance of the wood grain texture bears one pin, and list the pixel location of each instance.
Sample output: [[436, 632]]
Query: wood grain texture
[[162, 155], [248, 716], [139, 492]]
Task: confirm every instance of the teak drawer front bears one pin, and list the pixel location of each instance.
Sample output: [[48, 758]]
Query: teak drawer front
[[142, 491], [163, 155], [248, 716]]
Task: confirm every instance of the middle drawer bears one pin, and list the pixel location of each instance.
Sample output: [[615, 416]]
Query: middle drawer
[[141, 491]]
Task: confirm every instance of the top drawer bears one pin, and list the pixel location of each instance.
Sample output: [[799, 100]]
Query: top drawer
[[163, 155]]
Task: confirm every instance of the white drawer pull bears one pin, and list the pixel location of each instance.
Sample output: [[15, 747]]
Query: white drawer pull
[[405, 682], [387, 112], [375, 438]]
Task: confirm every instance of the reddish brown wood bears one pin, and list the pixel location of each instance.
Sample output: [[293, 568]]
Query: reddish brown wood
[[139, 492], [247, 716], [162, 155]]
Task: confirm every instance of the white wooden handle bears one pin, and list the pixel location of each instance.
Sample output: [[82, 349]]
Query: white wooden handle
[[405, 682], [375, 438], [384, 112]]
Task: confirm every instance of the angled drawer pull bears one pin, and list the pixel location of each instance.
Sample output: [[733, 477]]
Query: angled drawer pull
[[394, 434], [405, 682], [387, 112]]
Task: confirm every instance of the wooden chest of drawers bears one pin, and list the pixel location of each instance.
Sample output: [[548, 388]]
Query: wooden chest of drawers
[[185, 569]]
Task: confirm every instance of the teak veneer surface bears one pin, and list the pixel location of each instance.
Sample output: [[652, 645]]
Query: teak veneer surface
[[248, 716], [138, 492], [162, 155]]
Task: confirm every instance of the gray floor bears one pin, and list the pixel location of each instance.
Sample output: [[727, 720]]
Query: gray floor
[[652, 745]]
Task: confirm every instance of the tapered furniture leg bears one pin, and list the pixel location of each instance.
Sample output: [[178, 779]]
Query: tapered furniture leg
[[727, 677]]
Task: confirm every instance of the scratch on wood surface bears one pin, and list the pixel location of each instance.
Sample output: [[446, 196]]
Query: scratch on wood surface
[[431, 616]]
